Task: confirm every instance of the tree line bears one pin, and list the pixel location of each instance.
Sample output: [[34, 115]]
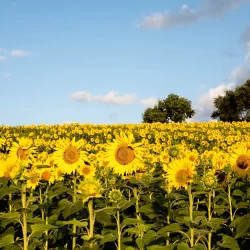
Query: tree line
[[234, 105]]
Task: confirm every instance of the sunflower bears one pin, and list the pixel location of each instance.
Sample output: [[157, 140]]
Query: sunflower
[[10, 168], [124, 156], [240, 161], [220, 160], [23, 150], [90, 188], [88, 171], [180, 173], [68, 155], [32, 177]]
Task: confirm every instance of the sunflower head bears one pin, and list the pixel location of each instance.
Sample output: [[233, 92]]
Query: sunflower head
[[209, 180], [180, 173], [115, 195], [240, 161], [90, 188], [88, 171], [123, 156]]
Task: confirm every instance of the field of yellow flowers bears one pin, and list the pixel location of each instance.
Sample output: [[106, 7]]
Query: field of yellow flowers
[[146, 186]]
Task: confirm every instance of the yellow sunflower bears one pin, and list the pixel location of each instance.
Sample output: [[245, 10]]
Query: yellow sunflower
[[23, 150], [124, 156], [240, 161], [180, 173], [88, 171], [32, 177], [10, 168], [68, 155], [90, 188], [220, 160]]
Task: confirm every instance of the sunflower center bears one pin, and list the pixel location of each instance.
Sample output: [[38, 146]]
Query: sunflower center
[[124, 154], [86, 170], [192, 158], [46, 175], [243, 162], [33, 181], [71, 155], [221, 177], [22, 153], [182, 177]]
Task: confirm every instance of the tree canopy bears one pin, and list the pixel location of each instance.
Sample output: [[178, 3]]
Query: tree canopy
[[233, 105], [174, 108]]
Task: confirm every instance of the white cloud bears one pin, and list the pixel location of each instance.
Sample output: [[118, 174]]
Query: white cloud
[[7, 75], [20, 53], [2, 58], [205, 105], [186, 15], [149, 102], [109, 98]]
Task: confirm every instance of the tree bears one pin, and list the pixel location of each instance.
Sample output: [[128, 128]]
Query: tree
[[234, 105], [173, 108]]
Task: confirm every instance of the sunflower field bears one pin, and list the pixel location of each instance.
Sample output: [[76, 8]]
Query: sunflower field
[[175, 186]]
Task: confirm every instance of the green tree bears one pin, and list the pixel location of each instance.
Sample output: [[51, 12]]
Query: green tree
[[234, 105], [173, 108]]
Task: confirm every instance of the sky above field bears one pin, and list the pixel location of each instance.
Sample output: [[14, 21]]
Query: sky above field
[[105, 62]]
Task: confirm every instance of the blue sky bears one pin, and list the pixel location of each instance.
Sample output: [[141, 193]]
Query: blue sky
[[106, 61]]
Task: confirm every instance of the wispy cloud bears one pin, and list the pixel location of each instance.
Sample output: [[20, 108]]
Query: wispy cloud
[[20, 53], [186, 15], [149, 102], [7, 75], [109, 98], [2, 58], [238, 76]]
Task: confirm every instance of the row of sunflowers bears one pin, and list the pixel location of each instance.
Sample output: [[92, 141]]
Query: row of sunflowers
[[146, 186]]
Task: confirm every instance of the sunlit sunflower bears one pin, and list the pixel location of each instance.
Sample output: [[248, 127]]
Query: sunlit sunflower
[[124, 156], [220, 160], [90, 188], [88, 171], [180, 173], [32, 177], [240, 161], [23, 150], [68, 155], [10, 168]]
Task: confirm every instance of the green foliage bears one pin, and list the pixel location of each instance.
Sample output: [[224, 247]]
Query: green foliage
[[173, 108], [234, 105]]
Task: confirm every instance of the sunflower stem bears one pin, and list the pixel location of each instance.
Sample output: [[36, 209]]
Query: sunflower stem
[[91, 221], [24, 224], [230, 201], [10, 206], [209, 242], [118, 229], [74, 201], [137, 207], [190, 196]]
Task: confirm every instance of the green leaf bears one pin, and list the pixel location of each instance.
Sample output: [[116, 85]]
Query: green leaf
[[10, 216], [149, 237], [183, 246], [7, 191], [73, 222], [57, 192], [175, 227], [69, 208], [147, 209], [7, 240], [229, 242], [109, 237], [200, 246], [243, 227], [128, 204], [139, 242], [39, 229], [103, 217], [129, 221], [157, 247]]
